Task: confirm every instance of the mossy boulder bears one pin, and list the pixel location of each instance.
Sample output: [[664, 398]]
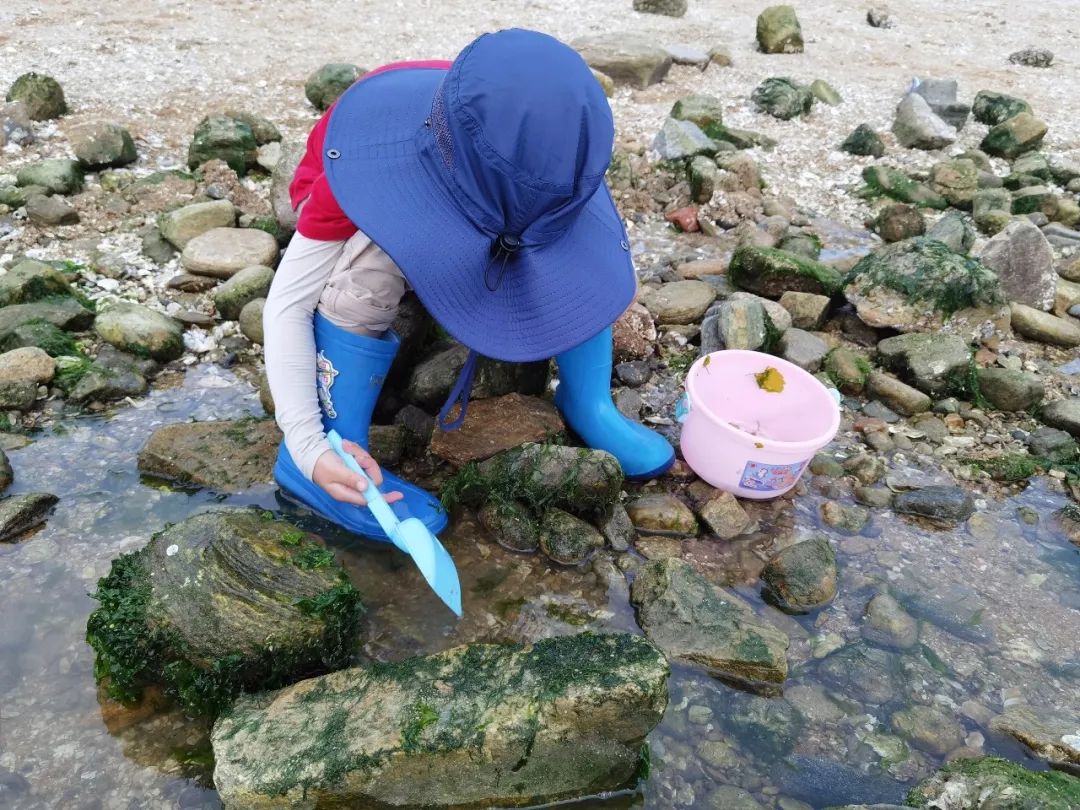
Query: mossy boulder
[[54, 175], [848, 371], [224, 602], [31, 280], [101, 145], [935, 364], [864, 141], [43, 335], [219, 137], [779, 31], [989, 782], [240, 290], [476, 726], [323, 87], [705, 111], [227, 456], [690, 618], [801, 577], [770, 272], [956, 180], [512, 525], [64, 313], [914, 284], [42, 96], [783, 98], [992, 108], [883, 181], [1014, 136], [141, 331], [566, 539]]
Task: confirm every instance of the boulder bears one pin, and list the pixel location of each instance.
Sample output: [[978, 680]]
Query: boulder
[[802, 348], [770, 272], [54, 341], [801, 577], [101, 145], [1044, 327], [691, 619], [864, 141], [251, 320], [783, 98], [1063, 414], [512, 525], [847, 370], [41, 95], [64, 313], [992, 108], [107, 382], [679, 302], [323, 87], [54, 175], [707, 112], [863, 673], [956, 180], [1014, 136], [989, 782], [916, 126], [626, 59], [944, 505], [898, 396], [48, 211], [141, 331], [778, 30], [226, 456], [223, 252], [183, 224], [898, 222], [807, 310], [15, 124], [241, 289], [1009, 390], [1024, 263], [703, 174], [21, 513], [991, 209], [566, 539], [292, 152], [495, 425], [678, 140], [218, 137], [953, 230], [432, 379], [263, 129], [724, 515], [220, 603], [1032, 57], [887, 624], [565, 716], [31, 280], [734, 324], [928, 728], [933, 363]]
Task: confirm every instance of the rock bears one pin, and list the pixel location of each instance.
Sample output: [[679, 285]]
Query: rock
[[56, 176], [64, 313], [155, 247], [1048, 734], [916, 126], [889, 182], [181, 225], [783, 98], [251, 320], [771, 273], [668, 8], [778, 30], [241, 289], [269, 155], [845, 519], [633, 334], [18, 396], [878, 17], [678, 140], [685, 219], [802, 244], [1024, 263], [627, 60], [29, 364], [992, 108], [945, 505], [141, 331], [932, 363], [731, 797], [991, 209], [1010, 390], [804, 349], [928, 728], [227, 456], [703, 175], [566, 539], [724, 516], [222, 602], [1032, 57], [1044, 327], [864, 141], [223, 252], [826, 782], [706, 112], [7, 475], [323, 87], [511, 525], [1014, 136], [31, 280], [431, 380], [218, 137], [493, 426], [898, 222], [863, 673], [569, 713], [912, 285], [848, 371], [662, 514], [107, 382], [694, 620], [940, 94], [734, 324], [720, 55], [1063, 414], [679, 302], [1036, 201], [769, 728], [42, 210], [21, 513], [896, 395], [887, 624], [989, 782], [15, 124], [956, 180], [634, 373], [100, 145], [618, 529], [280, 179], [262, 128], [606, 83], [1051, 443], [954, 231], [825, 93], [807, 310], [41, 95], [802, 577]]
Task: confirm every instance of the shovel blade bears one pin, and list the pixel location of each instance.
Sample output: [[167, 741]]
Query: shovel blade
[[433, 560]]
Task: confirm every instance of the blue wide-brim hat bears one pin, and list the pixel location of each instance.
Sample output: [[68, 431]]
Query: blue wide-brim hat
[[485, 185]]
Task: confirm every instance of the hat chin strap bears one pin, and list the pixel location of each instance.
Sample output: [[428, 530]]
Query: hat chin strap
[[459, 395]]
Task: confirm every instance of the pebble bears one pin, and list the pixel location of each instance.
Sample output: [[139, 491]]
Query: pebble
[[223, 252]]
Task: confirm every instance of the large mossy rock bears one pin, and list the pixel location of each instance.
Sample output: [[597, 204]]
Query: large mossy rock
[[935, 364], [42, 96], [989, 782], [915, 284], [323, 87], [55, 175], [778, 30], [771, 272], [690, 618], [31, 280], [783, 98], [219, 137], [141, 331], [474, 726], [63, 313], [223, 602], [884, 181], [227, 456], [802, 577]]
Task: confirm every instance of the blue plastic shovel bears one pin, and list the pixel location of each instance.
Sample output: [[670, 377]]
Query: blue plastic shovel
[[410, 535]]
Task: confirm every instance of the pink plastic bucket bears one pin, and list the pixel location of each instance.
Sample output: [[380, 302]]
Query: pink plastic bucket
[[748, 441]]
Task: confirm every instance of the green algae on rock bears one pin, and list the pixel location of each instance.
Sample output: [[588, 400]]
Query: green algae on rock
[[801, 577], [770, 272], [476, 725], [227, 455], [224, 602], [882, 181], [971, 784]]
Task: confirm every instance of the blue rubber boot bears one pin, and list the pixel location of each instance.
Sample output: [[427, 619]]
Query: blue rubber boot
[[584, 397], [350, 373]]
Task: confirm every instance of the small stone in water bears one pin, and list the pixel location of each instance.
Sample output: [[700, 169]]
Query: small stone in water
[[171, 550]]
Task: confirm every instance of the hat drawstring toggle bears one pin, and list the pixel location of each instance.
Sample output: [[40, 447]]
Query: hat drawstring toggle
[[503, 249]]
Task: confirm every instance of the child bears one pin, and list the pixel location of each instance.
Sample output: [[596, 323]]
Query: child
[[480, 185]]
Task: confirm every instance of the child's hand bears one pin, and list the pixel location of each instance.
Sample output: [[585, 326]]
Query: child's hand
[[343, 484]]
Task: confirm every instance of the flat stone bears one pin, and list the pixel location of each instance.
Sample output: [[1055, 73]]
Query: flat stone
[[683, 53], [898, 396], [21, 513], [569, 713], [1044, 327], [680, 302], [494, 425], [626, 59], [662, 513], [691, 619], [227, 456], [724, 516], [223, 252], [181, 225], [140, 330], [29, 364], [804, 349], [946, 505]]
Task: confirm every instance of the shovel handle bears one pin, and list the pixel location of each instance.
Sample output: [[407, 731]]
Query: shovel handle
[[375, 501]]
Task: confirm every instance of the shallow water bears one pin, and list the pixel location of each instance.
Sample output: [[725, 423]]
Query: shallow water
[[999, 602]]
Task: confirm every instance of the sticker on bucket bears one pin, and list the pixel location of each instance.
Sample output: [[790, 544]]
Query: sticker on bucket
[[770, 477], [682, 408]]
